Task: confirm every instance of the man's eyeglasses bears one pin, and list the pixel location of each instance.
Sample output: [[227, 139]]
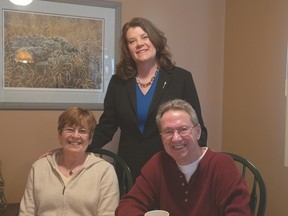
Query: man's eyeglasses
[[182, 131], [72, 130]]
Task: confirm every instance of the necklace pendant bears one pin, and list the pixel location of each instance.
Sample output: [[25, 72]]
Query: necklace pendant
[[70, 172]]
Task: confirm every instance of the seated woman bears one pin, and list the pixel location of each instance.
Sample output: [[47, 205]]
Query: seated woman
[[71, 181]]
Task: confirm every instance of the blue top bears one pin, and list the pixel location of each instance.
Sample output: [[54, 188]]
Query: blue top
[[143, 103]]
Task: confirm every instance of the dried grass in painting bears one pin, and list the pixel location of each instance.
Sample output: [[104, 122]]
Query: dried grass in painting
[[49, 51]]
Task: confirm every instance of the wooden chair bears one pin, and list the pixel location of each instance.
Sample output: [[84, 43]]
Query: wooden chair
[[255, 183], [122, 169]]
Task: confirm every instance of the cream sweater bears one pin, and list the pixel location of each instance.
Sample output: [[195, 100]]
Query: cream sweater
[[92, 191]]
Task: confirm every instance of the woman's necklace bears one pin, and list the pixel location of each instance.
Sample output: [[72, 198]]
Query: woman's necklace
[[60, 162], [145, 85]]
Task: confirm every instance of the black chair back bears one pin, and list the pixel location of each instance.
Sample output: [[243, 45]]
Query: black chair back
[[122, 169], [258, 194]]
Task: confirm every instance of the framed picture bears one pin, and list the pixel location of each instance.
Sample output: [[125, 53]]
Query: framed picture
[[58, 53]]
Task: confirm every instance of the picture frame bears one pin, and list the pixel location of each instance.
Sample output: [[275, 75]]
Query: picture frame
[[90, 32]]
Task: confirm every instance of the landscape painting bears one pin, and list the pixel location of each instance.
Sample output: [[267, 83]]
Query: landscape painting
[[52, 51]]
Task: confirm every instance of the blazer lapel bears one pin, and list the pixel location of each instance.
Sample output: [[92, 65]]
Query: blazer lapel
[[163, 82], [131, 91]]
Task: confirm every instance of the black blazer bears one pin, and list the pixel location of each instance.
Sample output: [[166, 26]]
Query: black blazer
[[120, 111]]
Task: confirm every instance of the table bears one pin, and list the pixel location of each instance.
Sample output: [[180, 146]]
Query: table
[[12, 209]]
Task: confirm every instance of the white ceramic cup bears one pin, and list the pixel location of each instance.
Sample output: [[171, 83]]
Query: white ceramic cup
[[157, 213]]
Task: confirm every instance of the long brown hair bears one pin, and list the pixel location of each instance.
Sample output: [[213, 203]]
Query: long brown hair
[[126, 68]]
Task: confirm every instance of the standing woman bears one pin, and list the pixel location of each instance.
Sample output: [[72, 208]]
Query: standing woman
[[145, 78]]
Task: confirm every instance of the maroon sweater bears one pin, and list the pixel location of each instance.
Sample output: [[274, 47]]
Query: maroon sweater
[[215, 189]]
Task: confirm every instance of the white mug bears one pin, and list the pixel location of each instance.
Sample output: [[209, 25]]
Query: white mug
[[157, 213]]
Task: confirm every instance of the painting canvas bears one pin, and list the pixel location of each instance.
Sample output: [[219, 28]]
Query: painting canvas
[[44, 51]]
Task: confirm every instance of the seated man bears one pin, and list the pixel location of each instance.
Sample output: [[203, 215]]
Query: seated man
[[186, 179]]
